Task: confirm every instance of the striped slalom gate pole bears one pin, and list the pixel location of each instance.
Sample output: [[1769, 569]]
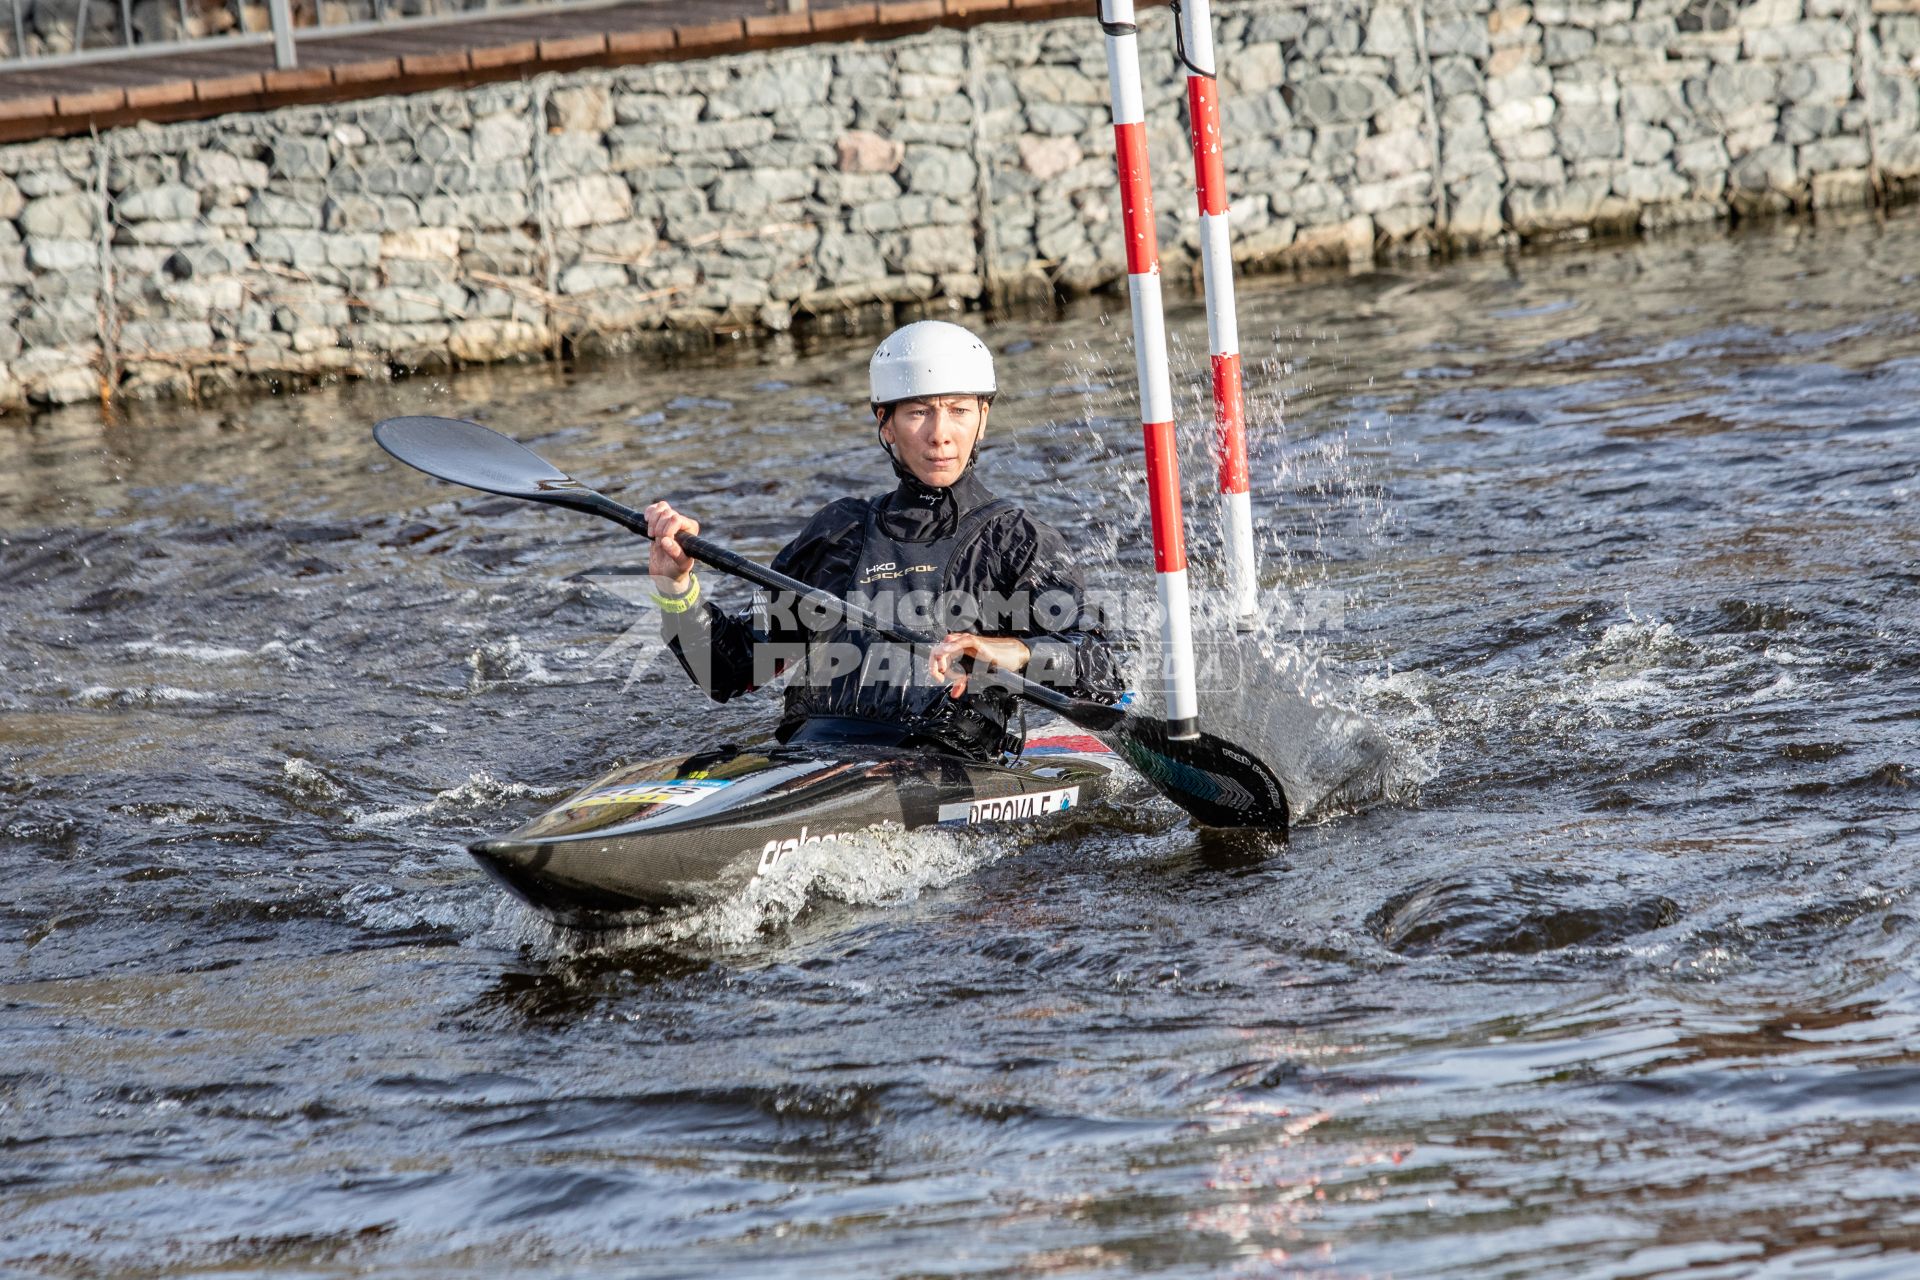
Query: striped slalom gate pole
[[1195, 37], [1150, 357]]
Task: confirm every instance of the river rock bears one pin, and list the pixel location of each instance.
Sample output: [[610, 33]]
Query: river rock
[[1467, 37], [59, 256], [1389, 155], [1588, 133], [1705, 156], [1389, 32], [227, 176], [271, 209], [939, 171], [502, 137], [859, 151], [1831, 154], [57, 376], [1650, 184], [421, 243], [1796, 40], [300, 159], [1567, 44], [948, 249], [1331, 100], [1827, 81], [580, 109], [748, 191], [1048, 158], [1731, 87], [1846, 188], [1521, 115], [590, 200], [69, 216], [1769, 168]]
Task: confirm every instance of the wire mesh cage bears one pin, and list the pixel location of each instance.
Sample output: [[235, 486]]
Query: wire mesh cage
[[598, 209]]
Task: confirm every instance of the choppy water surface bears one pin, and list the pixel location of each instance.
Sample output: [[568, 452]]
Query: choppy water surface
[[1620, 543]]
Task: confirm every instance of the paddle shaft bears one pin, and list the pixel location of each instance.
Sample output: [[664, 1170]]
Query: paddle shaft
[[1082, 711]]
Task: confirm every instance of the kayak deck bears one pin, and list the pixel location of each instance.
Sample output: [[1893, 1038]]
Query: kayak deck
[[699, 828]]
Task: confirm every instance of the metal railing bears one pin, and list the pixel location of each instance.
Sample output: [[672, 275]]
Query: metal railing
[[50, 33]]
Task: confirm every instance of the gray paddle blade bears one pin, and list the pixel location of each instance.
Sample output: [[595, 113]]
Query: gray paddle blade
[[472, 455]]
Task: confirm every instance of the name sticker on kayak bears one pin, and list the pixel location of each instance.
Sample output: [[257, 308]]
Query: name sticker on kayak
[[677, 792], [1032, 804]]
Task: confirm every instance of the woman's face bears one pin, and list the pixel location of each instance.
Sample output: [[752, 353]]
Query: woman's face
[[934, 438]]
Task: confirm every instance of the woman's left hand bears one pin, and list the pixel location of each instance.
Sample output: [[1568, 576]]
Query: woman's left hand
[[1005, 652]]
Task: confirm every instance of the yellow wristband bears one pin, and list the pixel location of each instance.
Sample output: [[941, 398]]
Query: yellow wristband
[[682, 603]]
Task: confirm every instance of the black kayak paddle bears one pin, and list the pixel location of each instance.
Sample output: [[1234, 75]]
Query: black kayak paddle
[[1217, 782]]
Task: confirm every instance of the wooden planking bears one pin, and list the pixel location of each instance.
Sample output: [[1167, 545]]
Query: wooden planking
[[51, 102]]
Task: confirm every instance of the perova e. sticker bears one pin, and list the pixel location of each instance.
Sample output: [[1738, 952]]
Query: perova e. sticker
[[1032, 804]]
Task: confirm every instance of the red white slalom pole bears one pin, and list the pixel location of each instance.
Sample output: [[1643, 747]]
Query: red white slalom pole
[[1150, 356], [1223, 330]]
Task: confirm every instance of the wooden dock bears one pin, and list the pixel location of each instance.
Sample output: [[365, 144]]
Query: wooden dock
[[55, 101]]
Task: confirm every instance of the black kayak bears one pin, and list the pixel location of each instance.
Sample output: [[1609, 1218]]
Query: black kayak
[[699, 828]]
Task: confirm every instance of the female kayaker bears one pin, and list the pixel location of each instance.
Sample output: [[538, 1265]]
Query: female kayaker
[[939, 553]]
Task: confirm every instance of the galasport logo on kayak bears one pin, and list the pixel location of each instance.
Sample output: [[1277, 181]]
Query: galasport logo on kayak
[[774, 852]]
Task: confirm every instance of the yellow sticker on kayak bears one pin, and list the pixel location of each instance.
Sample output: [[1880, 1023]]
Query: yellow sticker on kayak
[[677, 792]]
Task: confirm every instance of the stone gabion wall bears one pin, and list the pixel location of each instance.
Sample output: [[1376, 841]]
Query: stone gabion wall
[[606, 208]]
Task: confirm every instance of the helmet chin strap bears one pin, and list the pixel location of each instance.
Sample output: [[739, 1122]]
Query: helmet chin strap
[[882, 415]]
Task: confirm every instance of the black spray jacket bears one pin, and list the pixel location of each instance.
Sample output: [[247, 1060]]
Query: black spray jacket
[[936, 560]]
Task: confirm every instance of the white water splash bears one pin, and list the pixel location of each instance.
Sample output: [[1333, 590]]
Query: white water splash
[[185, 815], [387, 908], [481, 792], [309, 779], [193, 650], [881, 866], [1401, 703], [503, 662], [157, 695]]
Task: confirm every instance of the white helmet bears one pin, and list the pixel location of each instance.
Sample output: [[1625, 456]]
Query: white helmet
[[930, 358]]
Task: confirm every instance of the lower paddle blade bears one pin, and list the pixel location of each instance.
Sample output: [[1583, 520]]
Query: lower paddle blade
[[1218, 783], [1272, 701], [472, 455]]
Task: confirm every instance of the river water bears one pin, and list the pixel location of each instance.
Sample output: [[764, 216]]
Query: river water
[[1618, 544]]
